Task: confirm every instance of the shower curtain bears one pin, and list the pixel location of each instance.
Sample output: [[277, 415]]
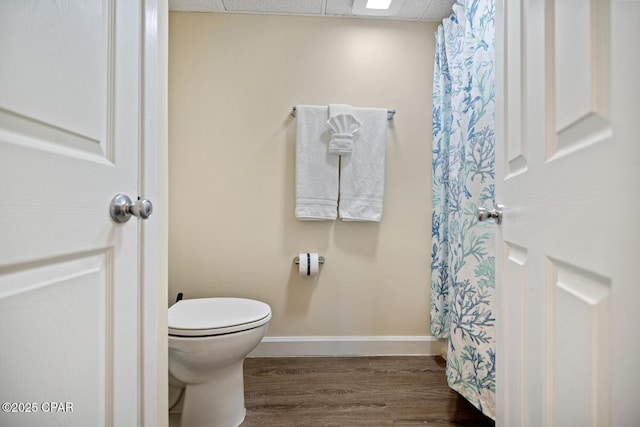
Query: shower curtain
[[463, 259]]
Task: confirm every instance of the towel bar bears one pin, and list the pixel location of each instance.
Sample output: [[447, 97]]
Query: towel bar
[[390, 113], [296, 260]]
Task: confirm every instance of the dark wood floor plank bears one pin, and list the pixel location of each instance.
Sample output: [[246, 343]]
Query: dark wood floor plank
[[353, 391]]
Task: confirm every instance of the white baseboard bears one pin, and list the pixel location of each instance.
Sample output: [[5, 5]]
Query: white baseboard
[[349, 346]]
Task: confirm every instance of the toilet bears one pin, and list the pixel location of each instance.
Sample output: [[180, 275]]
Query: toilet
[[209, 338]]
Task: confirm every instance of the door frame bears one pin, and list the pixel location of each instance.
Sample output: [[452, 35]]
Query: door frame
[[499, 75], [153, 185]]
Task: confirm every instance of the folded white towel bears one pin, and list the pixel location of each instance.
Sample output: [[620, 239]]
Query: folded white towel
[[362, 172], [344, 128], [316, 169]]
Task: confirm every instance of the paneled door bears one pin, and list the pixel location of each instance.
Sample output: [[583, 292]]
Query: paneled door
[[568, 175], [69, 140]]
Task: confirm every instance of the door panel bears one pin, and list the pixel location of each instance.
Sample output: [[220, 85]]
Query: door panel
[[581, 345], [515, 150], [60, 51], [57, 305], [515, 274], [579, 42], [69, 138]]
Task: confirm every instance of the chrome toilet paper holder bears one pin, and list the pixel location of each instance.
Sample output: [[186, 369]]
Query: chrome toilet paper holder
[[296, 260]]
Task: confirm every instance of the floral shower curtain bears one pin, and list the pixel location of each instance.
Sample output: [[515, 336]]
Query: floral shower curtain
[[463, 259]]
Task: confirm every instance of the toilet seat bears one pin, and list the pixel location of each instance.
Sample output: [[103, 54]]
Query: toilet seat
[[202, 317]]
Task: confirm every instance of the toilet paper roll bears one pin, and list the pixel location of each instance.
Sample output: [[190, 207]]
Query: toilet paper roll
[[309, 264]]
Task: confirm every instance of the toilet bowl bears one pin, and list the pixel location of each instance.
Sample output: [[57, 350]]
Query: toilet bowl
[[209, 339]]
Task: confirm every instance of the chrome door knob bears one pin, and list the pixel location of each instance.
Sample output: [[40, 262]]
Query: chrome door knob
[[122, 208], [495, 214]]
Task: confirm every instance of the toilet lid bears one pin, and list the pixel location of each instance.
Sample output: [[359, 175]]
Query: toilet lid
[[216, 316]]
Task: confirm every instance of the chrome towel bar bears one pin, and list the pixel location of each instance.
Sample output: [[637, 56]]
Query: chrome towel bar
[[390, 113]]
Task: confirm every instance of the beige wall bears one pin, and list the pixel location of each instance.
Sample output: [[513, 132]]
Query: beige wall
[[233, 80]]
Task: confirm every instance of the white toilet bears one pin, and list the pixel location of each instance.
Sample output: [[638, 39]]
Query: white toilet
[[209, 339]]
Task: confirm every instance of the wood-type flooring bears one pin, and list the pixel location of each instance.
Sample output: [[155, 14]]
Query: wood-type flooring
[[354, 391]]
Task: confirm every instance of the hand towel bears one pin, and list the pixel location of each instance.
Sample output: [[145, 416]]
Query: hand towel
[[344, 128], [362, 172], [316, 169]]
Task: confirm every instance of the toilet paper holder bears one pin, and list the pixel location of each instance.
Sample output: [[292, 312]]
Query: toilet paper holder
[[296, 260]]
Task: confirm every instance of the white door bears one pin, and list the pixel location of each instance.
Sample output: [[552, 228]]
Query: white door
[[69, 140], [568, 173]]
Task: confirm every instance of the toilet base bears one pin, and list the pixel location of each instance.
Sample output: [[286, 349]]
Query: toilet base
[[219, 403]]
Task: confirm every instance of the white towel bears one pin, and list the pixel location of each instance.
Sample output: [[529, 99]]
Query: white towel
[[344, 128], [316, 169], [335, 109], [362, 172]]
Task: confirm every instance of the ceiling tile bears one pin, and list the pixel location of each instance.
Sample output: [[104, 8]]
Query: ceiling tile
[[339, 7], [311, 7], [196, 5], [438, 10], [412, 9]]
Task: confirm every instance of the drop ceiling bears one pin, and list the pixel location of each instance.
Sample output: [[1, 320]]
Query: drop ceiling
[[424, 10]]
